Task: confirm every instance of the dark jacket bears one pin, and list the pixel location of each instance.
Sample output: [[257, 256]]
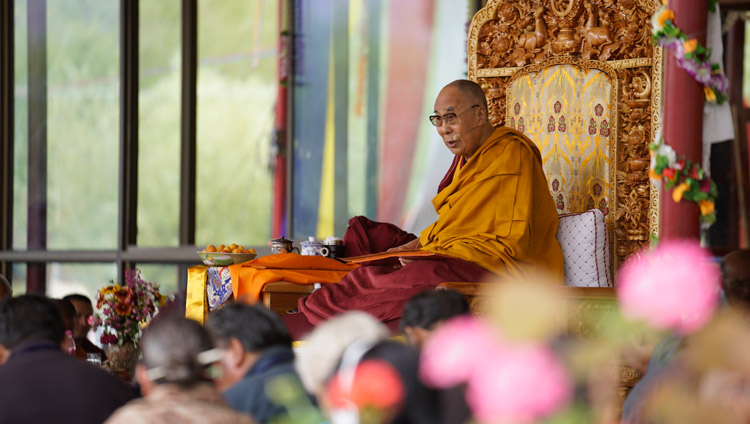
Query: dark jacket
[[41, 384], [249, 394]]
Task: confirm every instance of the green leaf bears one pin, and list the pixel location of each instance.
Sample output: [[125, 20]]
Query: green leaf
[[708, 219], [700, 196]]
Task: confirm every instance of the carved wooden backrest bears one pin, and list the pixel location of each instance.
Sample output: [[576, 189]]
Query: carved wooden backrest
[[582, 79]]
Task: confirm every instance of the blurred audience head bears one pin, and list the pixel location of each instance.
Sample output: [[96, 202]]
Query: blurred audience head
[[410, 400], [427, 310], [29, 318], [84, 310], [68, 312], [176, 351], [736, 278], [6, 290], [244, 332], [322, 349]]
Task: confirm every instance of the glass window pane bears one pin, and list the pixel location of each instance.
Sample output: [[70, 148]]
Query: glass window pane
[[159, 122], [20, 130], [83, 123], [236, 97], [83, 278], [19, 279], [166, 276]]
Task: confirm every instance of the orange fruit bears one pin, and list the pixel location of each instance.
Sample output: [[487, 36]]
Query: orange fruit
[[232, 246], [220, 248], [210, 248], [236, 250]]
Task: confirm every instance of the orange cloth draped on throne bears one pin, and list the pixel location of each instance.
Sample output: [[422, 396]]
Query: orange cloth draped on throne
[[495, 215]]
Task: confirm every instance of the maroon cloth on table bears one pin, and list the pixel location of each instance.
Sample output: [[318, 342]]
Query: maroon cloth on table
[[382, 290], [364, 237]]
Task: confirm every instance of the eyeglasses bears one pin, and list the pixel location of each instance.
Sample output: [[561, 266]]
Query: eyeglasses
[[448, 118]]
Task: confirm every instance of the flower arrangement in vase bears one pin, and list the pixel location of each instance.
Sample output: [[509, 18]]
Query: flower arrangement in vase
[[123, 310]]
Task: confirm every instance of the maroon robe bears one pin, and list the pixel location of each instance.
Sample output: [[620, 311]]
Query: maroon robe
[[380, 290]]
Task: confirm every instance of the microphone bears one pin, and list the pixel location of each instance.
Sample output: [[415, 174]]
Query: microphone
[[457, 137]]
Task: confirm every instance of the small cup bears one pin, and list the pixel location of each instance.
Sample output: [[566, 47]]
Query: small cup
[[94, 358], [335, 250], [313, 248]]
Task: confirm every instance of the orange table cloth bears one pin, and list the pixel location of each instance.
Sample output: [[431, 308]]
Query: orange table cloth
[[248, 278]]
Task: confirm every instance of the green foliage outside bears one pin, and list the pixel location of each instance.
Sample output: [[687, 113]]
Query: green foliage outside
[[236, 95]]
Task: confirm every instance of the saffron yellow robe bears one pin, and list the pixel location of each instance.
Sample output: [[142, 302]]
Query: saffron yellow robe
[[497, 211]]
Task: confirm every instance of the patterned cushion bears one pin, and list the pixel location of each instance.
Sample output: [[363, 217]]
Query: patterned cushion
[[583, 238]]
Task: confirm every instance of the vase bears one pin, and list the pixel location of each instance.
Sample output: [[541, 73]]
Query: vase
[[122, 359]]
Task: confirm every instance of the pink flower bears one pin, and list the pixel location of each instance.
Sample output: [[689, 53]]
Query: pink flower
[[519, 384], [449, 356], [675, 286]]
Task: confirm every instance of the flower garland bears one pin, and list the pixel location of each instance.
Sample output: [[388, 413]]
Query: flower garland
[[691, 56], [688, 179]]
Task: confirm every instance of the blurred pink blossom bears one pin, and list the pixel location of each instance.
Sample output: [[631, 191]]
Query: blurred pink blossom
[[675, 286], [518, 384], [506, 381], [449, 356]]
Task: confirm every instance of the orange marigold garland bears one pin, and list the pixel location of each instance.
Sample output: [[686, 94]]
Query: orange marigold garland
[[687, 180]]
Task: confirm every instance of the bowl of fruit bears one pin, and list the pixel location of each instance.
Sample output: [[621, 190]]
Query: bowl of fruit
[[222, 255]]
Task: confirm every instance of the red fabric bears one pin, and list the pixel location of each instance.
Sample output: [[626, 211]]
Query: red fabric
[[364, 237], [382, 290]]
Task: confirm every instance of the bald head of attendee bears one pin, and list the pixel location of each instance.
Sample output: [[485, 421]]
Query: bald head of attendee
[[5, 290]]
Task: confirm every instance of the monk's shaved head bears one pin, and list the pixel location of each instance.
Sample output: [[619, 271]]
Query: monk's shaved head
[[471, 90]]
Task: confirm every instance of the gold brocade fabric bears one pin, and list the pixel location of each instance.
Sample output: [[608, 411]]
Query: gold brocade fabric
[[566, 111], [196, 306]]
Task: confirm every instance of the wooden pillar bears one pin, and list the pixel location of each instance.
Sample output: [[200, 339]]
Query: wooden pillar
[[735, 51], [683, 118]]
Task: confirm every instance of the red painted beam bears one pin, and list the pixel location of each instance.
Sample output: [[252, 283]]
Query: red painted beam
[[683, 118]]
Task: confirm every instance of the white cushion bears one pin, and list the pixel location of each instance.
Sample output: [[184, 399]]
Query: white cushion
[[583, 238]]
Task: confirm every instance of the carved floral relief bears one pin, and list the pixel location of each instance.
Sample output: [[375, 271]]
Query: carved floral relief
[[507, 35]]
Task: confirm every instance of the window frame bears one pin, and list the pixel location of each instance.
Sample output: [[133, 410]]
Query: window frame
[[127, 254]]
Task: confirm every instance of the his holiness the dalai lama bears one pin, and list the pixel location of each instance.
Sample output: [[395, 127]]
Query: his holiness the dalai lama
[[495, 216]]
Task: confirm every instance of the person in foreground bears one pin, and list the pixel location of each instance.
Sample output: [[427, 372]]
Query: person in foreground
[[258, 350], [174, 377], [495, 215], [426, 311], [41, 383]]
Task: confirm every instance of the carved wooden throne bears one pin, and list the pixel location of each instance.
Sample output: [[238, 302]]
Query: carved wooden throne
[[582, 79]]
